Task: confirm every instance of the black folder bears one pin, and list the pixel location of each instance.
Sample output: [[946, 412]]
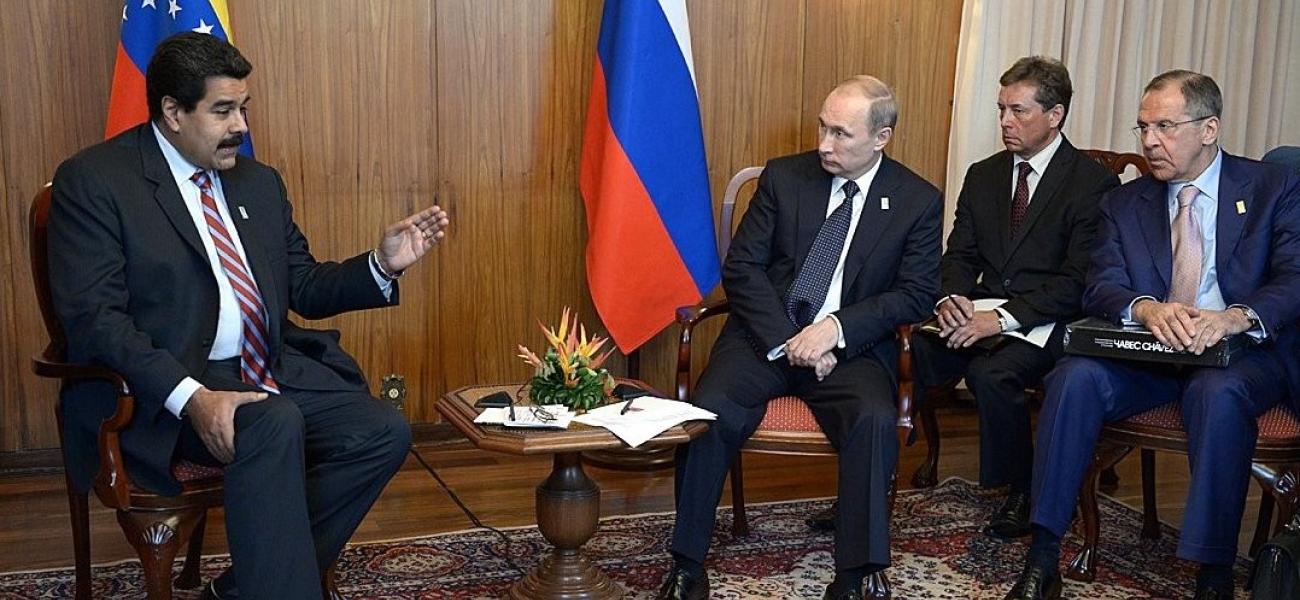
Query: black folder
[[1099, 337]]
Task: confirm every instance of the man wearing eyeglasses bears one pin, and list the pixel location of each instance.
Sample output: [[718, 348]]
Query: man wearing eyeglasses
[[1206, 246]]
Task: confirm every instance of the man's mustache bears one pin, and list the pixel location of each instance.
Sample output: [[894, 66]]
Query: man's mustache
[[233, 141]]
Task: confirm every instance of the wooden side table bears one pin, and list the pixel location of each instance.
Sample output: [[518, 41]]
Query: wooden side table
[[568, 501]]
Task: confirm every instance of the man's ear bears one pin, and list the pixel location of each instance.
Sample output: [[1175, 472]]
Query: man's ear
[[171, 110], [1210, 134], [882, 137]]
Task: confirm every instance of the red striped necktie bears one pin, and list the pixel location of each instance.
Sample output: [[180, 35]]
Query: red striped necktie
[[255, 352]]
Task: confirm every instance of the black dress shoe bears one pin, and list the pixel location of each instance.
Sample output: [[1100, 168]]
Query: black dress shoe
[[1011, 519], [1036, 583], [682, 585], [824, 519], [1209, 593], [209, 592], [849, 595]]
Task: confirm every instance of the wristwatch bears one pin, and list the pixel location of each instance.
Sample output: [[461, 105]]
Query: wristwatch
[[1002, 322]]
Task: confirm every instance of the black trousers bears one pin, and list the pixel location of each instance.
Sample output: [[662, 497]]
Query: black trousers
[[997, 378], [854, 406], [308, 466]]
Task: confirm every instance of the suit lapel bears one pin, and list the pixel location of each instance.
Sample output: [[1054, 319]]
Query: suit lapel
[[1045, 193], [814, 196], [1153, 221], [168, 196], [1230, 222], [1004, 196], [873, 222]]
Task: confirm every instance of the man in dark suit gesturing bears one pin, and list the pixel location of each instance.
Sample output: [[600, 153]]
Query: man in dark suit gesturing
[[1206, 246], [174, 262], [1026, 220], [838, 247]]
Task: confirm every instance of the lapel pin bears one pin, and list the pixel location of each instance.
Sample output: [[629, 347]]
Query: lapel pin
[[243, 213], [884, 203], [1241, 207]]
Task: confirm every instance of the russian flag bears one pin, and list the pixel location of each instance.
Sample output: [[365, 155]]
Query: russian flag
[[145, 23], [651, 245]]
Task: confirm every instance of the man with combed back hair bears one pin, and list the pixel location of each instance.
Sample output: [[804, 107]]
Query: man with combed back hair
[[1205, 246], [838, 246], [1026, 220], [175, 262]]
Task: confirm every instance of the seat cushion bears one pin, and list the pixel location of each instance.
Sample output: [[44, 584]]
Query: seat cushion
[[187, 472], [789, 413], [1279, 424]]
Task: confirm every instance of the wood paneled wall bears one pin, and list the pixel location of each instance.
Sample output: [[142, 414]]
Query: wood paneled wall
[[373, 109]]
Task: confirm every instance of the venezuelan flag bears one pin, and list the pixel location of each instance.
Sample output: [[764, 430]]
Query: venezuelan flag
[[644, 179], [145, 23]]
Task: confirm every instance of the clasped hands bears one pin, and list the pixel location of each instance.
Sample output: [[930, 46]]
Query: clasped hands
[[812, 347], [405, 241], [1187, 328], [962, 325]]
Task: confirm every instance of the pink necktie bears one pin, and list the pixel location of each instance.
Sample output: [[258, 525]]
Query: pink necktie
[[253, 365], [1186, 235]]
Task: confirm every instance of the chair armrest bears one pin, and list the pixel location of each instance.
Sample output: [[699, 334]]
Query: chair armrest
[[687, 318], [111, 482], [906, 429]]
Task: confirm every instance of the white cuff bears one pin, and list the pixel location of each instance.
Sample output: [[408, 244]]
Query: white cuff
[[180, 396], [839, 341], [1126, 315], [385, 284]]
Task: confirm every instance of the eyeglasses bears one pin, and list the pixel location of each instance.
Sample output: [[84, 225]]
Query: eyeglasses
[[1163, 128]]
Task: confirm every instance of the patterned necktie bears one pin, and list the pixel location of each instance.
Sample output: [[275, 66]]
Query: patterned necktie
[[808, 292], [1020, 202], [253, 365], [1186, 236]]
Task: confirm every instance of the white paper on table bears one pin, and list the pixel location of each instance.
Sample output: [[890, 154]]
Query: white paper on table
[[648, 417], [1036, 336], [525, 417]]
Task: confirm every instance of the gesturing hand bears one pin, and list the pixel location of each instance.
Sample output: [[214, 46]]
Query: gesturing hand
[[405, 241], [212, 414]]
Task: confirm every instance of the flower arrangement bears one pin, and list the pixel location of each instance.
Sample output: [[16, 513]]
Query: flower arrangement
[[570, 372]]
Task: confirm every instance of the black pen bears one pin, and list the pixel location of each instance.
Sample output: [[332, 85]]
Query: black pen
[[626, 406]]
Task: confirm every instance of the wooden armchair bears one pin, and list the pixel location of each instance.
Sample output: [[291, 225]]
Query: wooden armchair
[[945, 396], [789, 426], [156, 526], [1275, 466]]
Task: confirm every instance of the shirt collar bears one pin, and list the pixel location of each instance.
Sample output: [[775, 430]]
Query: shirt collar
[[1206, 183], [1040, 161], [864, 182], [181, 168]]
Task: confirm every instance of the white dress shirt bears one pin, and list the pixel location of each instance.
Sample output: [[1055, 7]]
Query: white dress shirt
[[228, 339]]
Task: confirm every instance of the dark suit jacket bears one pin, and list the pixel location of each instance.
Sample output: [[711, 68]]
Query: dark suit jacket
[[133, 288], [891, 273], [1257, 253], [1041, 269]]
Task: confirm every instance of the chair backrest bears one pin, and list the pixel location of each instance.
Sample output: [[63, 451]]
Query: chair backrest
[[1118, 162], [1284, 155], [37, 221], [726, 220]]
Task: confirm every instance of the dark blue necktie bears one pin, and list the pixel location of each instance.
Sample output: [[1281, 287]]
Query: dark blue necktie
[[808, 292]]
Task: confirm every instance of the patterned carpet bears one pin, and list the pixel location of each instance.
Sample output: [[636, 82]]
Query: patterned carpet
[[938, 553]]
